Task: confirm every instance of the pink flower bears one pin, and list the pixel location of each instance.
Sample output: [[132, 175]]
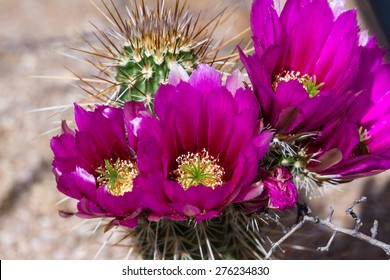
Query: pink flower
[[362, 136], [305, 61], [204, 146], [96, 165], [322, 85], [280, 189]]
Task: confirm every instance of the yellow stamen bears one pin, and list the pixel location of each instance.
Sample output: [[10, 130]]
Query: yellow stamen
[[287, 76]]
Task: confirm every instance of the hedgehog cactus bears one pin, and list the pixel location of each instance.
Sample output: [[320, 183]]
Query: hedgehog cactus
[[144, 51], [232, 236], [134, 57], [145, 68]]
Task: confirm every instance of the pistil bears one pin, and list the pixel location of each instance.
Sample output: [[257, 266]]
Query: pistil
[[199, 169], [118, 177]]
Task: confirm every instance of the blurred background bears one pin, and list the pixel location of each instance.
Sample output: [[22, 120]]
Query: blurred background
[[35, 36]]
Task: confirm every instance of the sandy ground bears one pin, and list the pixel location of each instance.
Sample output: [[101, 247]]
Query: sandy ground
[[34, 35]]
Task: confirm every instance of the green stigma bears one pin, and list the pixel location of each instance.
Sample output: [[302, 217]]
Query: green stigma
[[118, 178], [199, 169], [310, 84], [364, 136], [362, 147]]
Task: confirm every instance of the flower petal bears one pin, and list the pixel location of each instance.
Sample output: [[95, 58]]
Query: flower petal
[[205, 78], [265, 23]]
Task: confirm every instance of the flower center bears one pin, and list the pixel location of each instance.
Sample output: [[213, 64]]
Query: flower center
[[199, 169], [308, 83], [118, 177]]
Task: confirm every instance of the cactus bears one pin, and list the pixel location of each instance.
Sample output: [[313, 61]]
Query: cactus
[[233, 235], [133, 60], [145, 69], [134, 57]]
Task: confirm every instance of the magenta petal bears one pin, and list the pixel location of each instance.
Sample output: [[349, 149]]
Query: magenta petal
[[378, 110], [262, 142], [265, 23], [149, 156], [176, 193], [85, 182], [164, 97], [64, 145], [208, 215], [287, 113], [132, 111], [217, 199], [119, 206], [177, 74], [107, 126], [205, 78], [89, 209], [269, 106], [291, 93], [290, 13], [360, 166], [88, 153], [246, 100], [256, 69], [240, 139], [334, 136], [188, 130], [289, 119], [337, 66], [235, 81], [66, 184], [379, 142], [189, 124], [271, 57], [153, 195], [300, 27], [220, 107], [197, 199], [77, 184], [141, 126], [250, 192], [316, 110], [371, 81], [129, 222], [185, 209]]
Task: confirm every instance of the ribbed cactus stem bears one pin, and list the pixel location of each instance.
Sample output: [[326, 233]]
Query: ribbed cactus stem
[[134, 56], [233, 235], [144, 70]]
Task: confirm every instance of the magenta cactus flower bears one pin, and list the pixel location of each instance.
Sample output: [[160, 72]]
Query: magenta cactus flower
[[324, 89], [280, 189], [204, 146], [366, 150], [96, 165], [196, 168], [298, 71]]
